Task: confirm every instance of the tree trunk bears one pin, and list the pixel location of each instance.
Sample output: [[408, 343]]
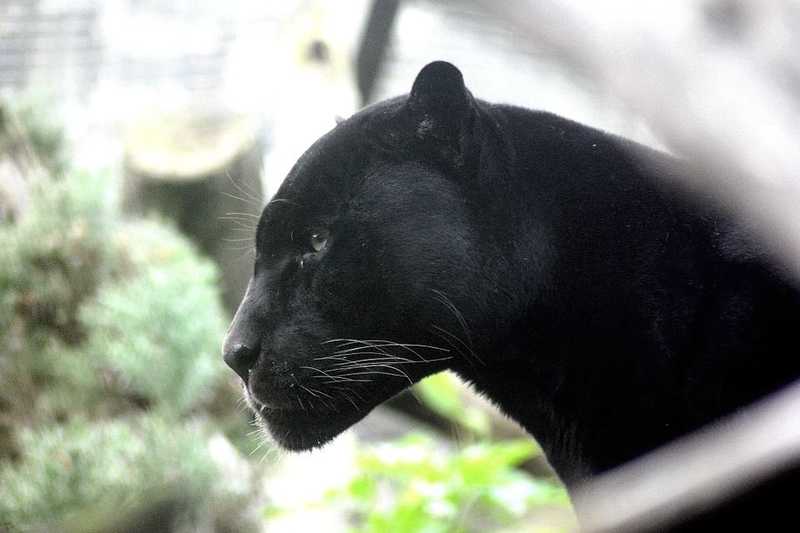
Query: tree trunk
[[202, 171]]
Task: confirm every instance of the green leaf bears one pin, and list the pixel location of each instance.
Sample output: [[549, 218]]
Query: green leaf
[[414, 485], [443, 393]]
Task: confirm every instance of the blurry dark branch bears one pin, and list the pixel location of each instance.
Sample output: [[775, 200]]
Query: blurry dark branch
[[372, 48], [719, 82]]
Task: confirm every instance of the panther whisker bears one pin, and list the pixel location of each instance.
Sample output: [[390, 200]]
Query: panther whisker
[[448, 303], [371, 359], [242, 188], [283, 201], [316, 394], [339, 357], [330, 402], [408, 347], [392, 361], [378, 373], [330, 405], [321, 393], [241, 214], [358, 395], [380, 357], [324, 374], [364, 345], [366, 365], [457, 339], [343, 341], [349, 399], [383, 343], [241, 404], [458, 314], [388, 344], [350, 390], [261, 443], [264, 438], [357, 349], [241, 223], [449, 341], [340, 379], [243, 200], [244, 231], [405, 344], [308, 391]]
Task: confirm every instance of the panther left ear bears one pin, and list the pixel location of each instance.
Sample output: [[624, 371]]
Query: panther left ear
[[441, 106]]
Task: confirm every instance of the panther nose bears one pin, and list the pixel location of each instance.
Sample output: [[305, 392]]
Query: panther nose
[[241, 358]]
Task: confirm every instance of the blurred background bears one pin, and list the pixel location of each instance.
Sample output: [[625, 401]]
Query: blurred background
[[139, 140]]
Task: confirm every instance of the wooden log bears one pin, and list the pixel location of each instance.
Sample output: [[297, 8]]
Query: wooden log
[[201, 169]]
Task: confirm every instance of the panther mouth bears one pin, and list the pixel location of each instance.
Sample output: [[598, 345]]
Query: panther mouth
[[306, 404], [307, 427]]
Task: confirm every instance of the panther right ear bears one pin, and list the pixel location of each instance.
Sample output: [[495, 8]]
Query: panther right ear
[[441, 107]]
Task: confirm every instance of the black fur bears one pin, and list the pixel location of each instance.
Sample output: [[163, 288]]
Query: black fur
[[563, 269]]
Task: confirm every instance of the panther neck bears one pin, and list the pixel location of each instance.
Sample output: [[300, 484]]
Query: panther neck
[[578, 398]]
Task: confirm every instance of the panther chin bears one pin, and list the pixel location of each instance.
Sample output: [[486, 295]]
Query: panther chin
[[304, 428]]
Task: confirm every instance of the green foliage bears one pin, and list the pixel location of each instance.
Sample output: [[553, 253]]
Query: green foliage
[[110, 331], [52, 262], [56, 256], [442, 392], [413, 486], [46, 136], [100, 318], [159, 331], [111, 465], [96, 312]]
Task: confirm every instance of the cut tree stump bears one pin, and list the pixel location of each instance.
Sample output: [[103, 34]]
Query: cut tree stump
[[201, 169]]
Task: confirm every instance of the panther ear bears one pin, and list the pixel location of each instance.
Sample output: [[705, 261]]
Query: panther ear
[[439, 89], [441, 105]]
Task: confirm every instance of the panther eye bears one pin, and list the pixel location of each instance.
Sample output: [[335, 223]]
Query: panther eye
[[319, 240]]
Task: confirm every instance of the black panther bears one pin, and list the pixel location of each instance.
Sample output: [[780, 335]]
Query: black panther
[[565, 272]]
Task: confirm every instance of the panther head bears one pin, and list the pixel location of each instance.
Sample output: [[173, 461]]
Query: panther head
[[366, 275]]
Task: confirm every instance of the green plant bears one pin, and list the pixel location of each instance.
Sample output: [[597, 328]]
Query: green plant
[[96, 311], [51, 262], [414, 486], [69, 469], [443, 392], [159, 331], [43, 130], [56, 256], [109, 338]]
